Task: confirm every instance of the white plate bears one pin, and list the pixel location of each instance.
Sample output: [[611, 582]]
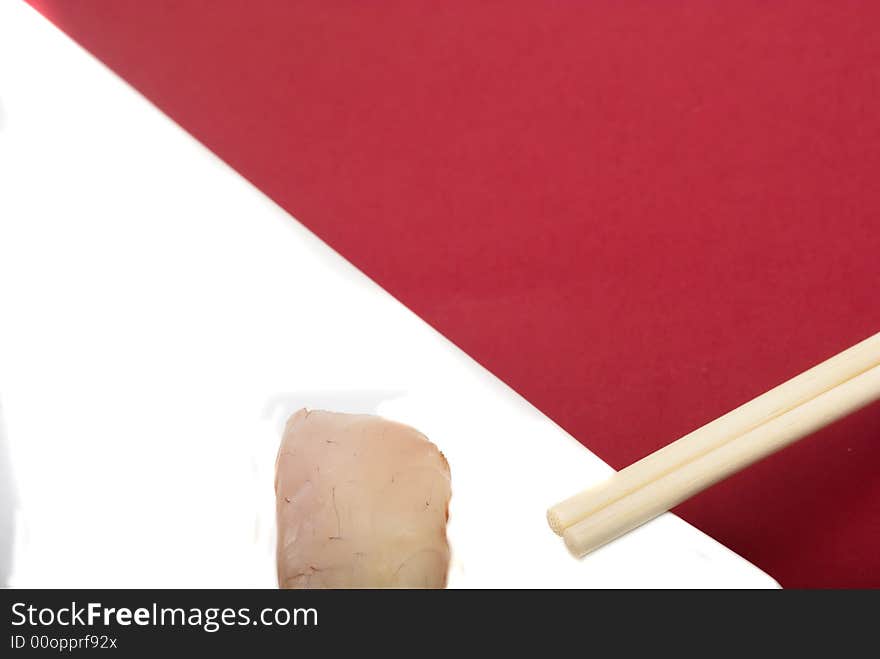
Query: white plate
[[161, 317]]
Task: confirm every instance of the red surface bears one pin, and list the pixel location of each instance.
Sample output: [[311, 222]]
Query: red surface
[[638, 214]]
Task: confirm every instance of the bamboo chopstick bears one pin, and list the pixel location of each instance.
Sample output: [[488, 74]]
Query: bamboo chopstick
[[777, 401], [690, 478]]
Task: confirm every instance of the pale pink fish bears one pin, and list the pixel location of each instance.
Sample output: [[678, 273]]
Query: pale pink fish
[[362, 502]]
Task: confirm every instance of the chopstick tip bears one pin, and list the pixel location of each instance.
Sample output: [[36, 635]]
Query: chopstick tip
[[554, 521]]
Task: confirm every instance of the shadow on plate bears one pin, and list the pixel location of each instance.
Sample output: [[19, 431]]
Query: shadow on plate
[[280, 406], [7, 507]]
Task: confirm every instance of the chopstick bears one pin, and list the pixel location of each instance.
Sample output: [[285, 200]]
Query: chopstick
[[687, 480], [774, 403]]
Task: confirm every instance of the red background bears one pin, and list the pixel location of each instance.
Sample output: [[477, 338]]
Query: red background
[[638, 214]]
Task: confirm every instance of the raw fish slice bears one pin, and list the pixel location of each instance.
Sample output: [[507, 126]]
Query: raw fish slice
[[362, 502]]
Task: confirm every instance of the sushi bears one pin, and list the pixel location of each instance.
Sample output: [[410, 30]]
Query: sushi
[[361, 502]]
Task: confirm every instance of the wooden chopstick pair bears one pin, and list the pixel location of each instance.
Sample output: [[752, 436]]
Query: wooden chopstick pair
[[660, 481]]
